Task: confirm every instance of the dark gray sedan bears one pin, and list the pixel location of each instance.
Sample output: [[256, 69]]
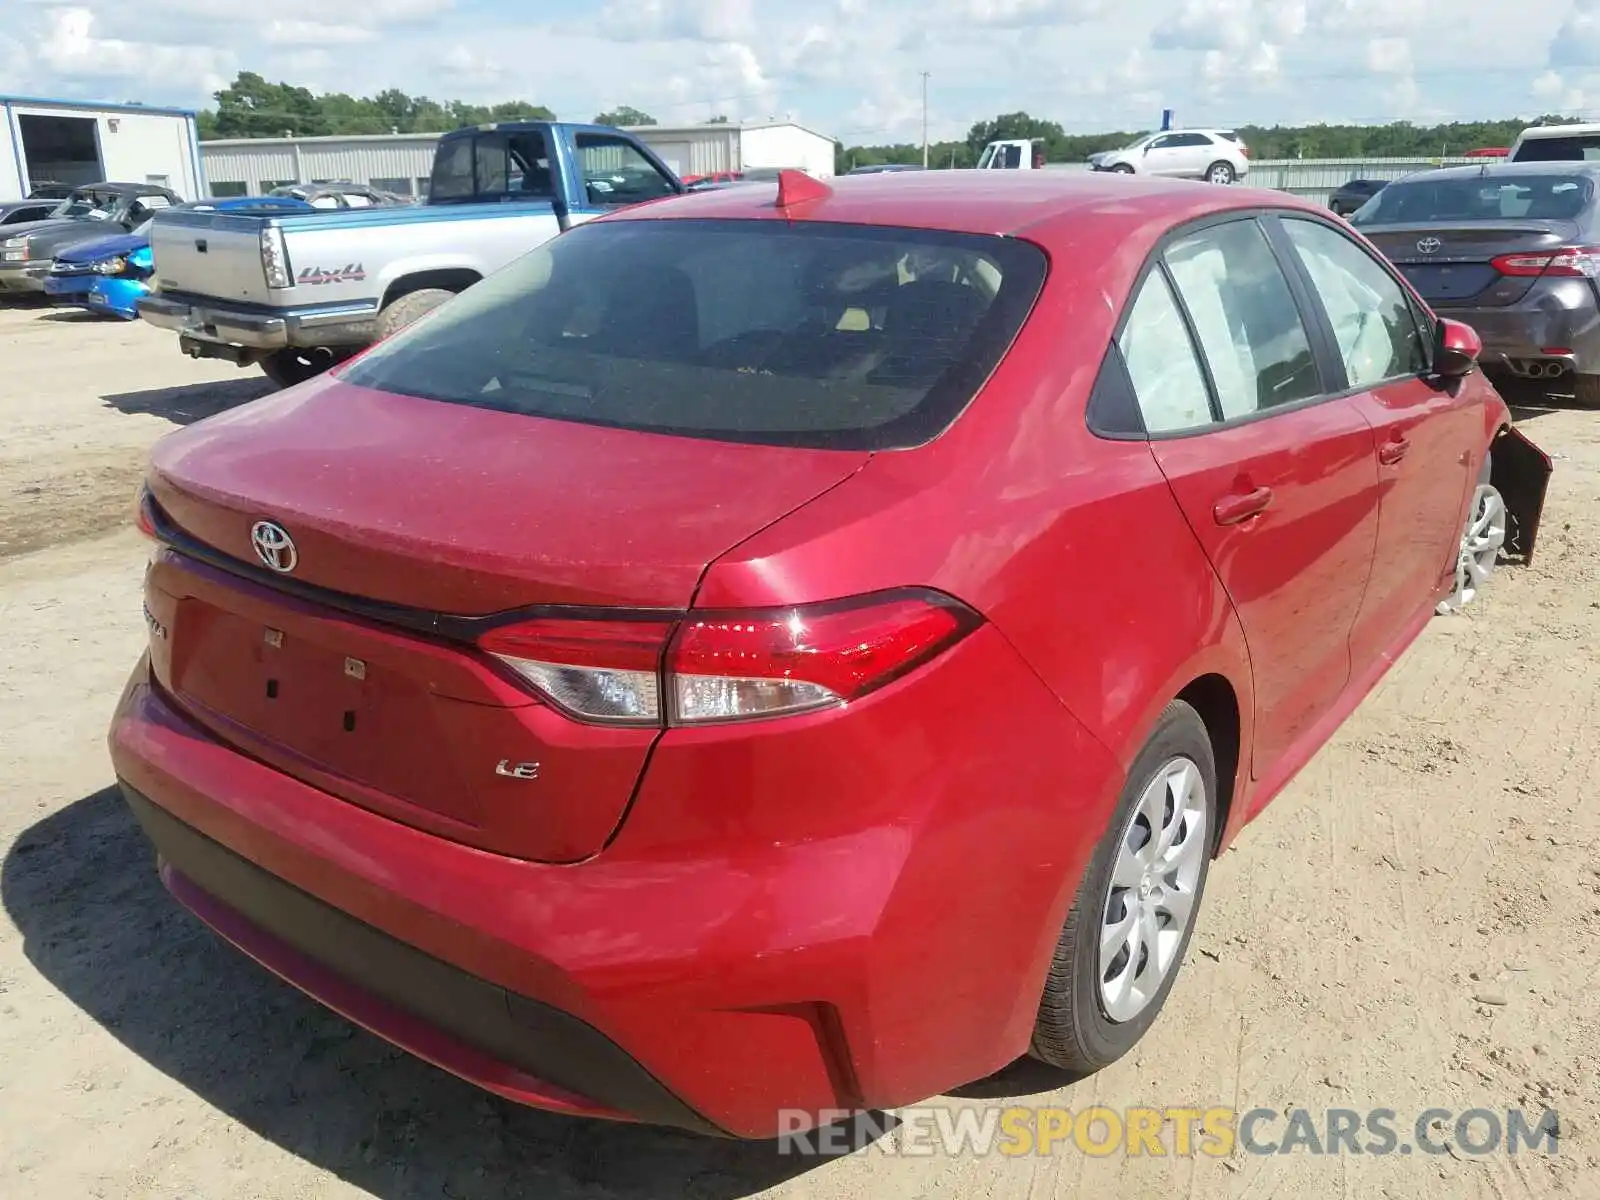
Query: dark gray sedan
[[1512, 249], [95, 211]]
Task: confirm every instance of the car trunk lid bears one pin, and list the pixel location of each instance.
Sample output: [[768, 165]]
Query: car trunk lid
[[1452, 264], [415, 523]]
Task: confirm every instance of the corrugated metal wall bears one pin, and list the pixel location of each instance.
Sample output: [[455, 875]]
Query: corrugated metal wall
[[256, 165], [386, 162]]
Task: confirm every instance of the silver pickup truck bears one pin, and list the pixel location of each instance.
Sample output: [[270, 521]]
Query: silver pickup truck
[[297, 293]]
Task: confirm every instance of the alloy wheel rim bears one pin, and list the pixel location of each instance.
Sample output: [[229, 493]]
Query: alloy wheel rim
[[1150, 902], [1481, 543]]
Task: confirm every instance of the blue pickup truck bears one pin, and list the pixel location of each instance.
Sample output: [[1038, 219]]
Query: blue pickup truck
[[299, 292]]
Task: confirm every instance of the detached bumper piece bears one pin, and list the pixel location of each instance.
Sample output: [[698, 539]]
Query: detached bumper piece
[[1520, 472], [511, 1045]]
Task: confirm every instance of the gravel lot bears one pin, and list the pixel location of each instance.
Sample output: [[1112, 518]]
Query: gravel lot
[[1411, 925]]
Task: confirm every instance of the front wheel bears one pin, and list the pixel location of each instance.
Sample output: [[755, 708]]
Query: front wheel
[[1221, 172], [1482, 541], [1135, 909], [1122, 169]]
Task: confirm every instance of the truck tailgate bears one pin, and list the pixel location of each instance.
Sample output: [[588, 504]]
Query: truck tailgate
[[210, 254]]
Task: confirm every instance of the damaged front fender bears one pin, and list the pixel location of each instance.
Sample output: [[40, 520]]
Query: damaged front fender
[[1520, 472]]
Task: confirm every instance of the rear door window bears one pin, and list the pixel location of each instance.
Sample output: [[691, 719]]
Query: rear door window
[[1245, 316], [818, 335]]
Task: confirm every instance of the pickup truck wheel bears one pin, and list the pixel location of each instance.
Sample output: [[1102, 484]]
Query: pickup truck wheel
[[408, 308], [289, 367]]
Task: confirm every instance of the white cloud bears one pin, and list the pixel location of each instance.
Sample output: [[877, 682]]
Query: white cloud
[[1389, 56], [314, 33], [850, 67]]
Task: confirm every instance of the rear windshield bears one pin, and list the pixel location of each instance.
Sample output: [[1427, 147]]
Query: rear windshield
[[1478, 198], [825, 336], [1581, 148]]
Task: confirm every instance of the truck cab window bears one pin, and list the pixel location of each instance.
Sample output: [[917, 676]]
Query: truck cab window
[[615, 172]]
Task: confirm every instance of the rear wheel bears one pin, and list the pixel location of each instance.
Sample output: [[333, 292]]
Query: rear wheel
[[1135, 909], [294, 365], [408, 308], [1220, 172], [1586, 389]]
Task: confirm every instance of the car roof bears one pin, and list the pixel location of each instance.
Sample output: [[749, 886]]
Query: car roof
[[1551, 131], [972, 201], [1495, 169]]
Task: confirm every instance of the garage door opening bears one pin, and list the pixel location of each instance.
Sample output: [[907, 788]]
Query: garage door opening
[[60, 150]]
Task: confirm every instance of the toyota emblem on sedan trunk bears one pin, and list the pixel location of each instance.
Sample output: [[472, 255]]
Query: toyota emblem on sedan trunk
[[274, 546], [1429, 245]]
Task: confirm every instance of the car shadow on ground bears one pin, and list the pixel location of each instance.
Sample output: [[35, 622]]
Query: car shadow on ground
[[194, 401], [74, 316], [81, 887]]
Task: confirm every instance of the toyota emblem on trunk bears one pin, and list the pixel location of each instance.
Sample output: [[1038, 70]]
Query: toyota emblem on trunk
[[1429, 245], [274, 546]]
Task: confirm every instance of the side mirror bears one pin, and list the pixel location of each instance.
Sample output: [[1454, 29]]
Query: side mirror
[[1455, 349]]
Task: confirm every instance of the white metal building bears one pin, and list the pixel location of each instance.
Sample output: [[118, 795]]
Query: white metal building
[[401, 162], [68, 142]]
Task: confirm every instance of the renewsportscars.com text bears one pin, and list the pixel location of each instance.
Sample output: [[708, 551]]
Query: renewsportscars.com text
[[1171, 1132]]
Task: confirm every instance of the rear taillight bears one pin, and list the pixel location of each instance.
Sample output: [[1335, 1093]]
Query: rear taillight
[[730, 665], [146, 514], [275, 258], [1567, 261], [599, 670], [1244, 151]]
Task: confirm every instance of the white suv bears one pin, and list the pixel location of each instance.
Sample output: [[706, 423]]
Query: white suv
[[1215, 155]]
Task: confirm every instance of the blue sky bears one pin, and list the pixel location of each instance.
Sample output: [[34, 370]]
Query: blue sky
[[850, 68]]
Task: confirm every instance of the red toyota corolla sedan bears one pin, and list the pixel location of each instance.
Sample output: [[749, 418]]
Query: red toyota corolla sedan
[[766, 654]]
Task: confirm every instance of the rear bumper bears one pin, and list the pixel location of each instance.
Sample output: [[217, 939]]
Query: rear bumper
[[771, 930], [516, 1047], [213, 330], [1553, 317]]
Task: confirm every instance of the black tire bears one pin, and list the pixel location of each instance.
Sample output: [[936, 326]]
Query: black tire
[[403, 310], [1586, 390], [1072, 1031], [289, 367], [1122, 169], [1221, 172]]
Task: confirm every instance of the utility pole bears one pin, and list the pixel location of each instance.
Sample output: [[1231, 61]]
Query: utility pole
[[924, 120]]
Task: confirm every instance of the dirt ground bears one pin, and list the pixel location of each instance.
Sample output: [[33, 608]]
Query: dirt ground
[[1411, 925]]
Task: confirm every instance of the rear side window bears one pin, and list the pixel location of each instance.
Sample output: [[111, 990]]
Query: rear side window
[[491, 166], [1245, 317], [816, 335], [1479, 198], [1372, 319], [1166, 378], [1582, 148]]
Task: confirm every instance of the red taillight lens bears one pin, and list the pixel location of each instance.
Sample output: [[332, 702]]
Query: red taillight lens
[[602, 670], [1244, 151], [146, 515], [729, 666], [733, 665], [1567, 261]]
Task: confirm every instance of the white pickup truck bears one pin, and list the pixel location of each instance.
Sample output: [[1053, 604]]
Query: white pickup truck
[[298, 292]]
